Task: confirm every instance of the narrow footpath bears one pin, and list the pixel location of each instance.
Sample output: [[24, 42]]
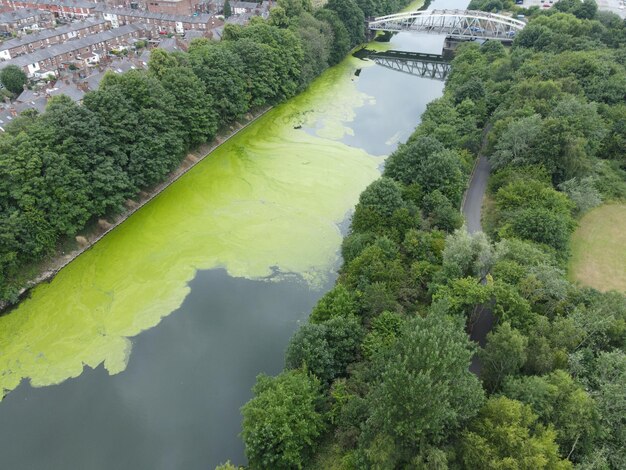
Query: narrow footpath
[[472, 206]]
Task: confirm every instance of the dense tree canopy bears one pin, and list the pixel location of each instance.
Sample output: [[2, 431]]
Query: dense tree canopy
[[549, 116]]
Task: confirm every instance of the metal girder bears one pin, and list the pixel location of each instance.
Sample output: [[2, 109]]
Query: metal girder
[[421, 68], [456, 24]]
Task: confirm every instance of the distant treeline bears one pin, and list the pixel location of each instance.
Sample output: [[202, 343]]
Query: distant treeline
[[379, 376], [75, 163]]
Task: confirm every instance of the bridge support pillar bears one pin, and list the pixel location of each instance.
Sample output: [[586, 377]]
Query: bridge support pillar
[[450, 45]]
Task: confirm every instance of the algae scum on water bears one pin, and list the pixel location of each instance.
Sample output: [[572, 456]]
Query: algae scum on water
[[270, 198]]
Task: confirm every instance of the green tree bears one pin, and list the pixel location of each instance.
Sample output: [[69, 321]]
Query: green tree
[[325, 349], [559, 401], [505, 435], [227, 9], [13, 78], [504, 354], [134, 111], [404, 164], [283, 421], [351, 16], [338, 302], [194, 106], [160, 62], [223, 74], [384, 331], [340, 44], [467, 255], [425, 390], [442, 214], [316, 37], [260, 65]]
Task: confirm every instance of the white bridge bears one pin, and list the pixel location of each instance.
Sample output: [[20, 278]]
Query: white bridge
[[455, 24]]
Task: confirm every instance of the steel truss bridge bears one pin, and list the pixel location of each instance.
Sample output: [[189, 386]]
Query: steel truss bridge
[[455, 24], [423, 65]]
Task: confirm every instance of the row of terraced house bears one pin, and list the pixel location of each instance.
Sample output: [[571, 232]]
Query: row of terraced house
[[87, 50]]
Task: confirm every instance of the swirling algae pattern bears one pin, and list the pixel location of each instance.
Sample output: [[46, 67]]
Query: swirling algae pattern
[[267, 200]]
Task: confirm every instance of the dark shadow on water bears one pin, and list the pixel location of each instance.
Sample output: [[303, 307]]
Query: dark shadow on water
[[176, 406]]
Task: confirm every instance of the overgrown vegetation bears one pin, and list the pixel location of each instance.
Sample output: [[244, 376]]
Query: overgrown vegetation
[[75, 163], [386, 351]]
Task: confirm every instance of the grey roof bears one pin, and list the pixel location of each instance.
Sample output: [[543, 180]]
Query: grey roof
[[26, 95], [58, 49], [50, 33], [68, 89], [65, 3], [5, 118], [93, 80], [116, 66], [39, 104], [145, 56], [20, 14], [193, 34], [250, 5], [203, 18], [169, 45], [121, 65]]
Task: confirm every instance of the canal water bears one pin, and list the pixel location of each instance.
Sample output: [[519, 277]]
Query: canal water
[[140, 353]]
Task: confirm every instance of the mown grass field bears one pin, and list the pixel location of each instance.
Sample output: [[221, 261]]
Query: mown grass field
[[599, 249]]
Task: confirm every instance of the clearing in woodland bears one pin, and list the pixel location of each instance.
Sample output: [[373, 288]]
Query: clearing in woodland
[[599, 249]]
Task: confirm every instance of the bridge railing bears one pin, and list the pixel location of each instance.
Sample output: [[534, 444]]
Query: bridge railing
[[453, 23]]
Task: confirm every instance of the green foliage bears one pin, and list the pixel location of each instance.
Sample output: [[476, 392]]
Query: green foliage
[[505, 435], [533, 211], [442, 214], [384, 331], [282, 421], [425, 392], [340, 45], [351, 16], [223, 73], [338, 302], [583, 193], [13, 78], [559, 401], [504, 355], [325, 349], [466, 255]]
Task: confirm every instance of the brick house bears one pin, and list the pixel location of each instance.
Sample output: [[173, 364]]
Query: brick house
[[173, 7], [39, 40], [59, 8], [83, 51], [25, 19], [160, 23]]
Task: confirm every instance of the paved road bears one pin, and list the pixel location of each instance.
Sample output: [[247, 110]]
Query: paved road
[[472, 205], [473, 202]]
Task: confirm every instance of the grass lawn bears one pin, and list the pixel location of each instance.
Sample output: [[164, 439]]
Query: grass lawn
[[599, 249]]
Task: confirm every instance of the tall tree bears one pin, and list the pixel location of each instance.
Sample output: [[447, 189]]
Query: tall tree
[[505, 435], [426, 392], [13, 78], [222, 72], [352, 17], [282, 421]]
